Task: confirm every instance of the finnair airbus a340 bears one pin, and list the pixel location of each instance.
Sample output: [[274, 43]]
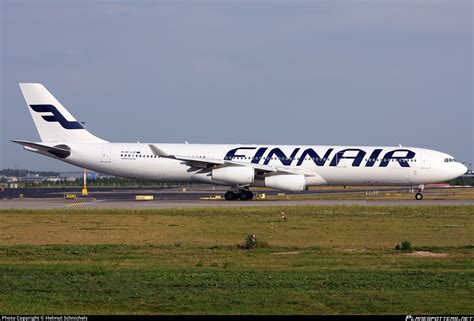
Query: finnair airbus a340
[[281, 167]]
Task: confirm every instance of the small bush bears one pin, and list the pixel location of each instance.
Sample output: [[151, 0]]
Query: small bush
[[251, 242], [405, 246], [199, 264]]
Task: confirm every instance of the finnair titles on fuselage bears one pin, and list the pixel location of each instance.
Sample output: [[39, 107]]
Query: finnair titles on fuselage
[[281, 167]]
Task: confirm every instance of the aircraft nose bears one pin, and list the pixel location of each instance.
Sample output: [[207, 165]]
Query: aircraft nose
[[461, 169]]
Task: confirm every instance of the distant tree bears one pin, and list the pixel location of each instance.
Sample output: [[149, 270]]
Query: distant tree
[[25, 172]]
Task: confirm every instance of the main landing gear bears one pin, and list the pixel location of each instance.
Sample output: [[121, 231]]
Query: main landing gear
[[419, 196], [243, 195]]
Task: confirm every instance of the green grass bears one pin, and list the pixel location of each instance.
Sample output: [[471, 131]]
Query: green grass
[[328, 260]]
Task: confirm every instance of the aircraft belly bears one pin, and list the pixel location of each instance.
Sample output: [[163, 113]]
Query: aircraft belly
[[156, 169], [365, 176]]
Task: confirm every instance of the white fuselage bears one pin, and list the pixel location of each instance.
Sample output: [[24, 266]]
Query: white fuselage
[[355, 165], [285, 167]]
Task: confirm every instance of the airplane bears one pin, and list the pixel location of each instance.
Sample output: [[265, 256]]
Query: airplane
[[238, 166]]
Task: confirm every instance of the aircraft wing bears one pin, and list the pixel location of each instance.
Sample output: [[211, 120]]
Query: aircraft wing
[[200, 162]]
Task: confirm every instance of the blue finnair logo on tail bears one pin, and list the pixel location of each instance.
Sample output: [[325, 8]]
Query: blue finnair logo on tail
[[56, 116]]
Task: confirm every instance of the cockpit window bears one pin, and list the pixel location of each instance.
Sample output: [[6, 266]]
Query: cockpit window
[[449, 160]]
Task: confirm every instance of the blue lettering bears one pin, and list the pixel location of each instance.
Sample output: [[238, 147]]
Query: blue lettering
[[314, 156], [231, 154], [356, 159], [258, 155], [402, 160], [281, 156], [373, 158]]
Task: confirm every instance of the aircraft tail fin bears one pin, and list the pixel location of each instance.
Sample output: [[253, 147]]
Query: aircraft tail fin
[[53, 122]]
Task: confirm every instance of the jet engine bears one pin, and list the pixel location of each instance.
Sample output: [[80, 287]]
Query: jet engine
[[293, 183], [239, 175]]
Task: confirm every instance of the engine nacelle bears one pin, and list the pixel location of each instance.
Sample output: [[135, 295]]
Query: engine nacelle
[[293, 183], [239, 175]]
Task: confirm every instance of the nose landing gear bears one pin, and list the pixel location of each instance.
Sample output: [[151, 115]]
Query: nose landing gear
[[419, 196]]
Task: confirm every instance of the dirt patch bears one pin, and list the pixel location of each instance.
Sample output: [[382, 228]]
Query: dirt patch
[[427, 254], [286, 253], [352, 250]]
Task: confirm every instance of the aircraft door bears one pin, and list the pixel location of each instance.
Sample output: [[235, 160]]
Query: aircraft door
[[425, 160], [106, 153]]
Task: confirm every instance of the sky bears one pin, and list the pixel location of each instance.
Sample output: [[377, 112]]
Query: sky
[[263, 72]]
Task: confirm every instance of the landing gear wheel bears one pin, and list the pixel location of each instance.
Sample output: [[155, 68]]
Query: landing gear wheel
[[230, 196], [243, 195], [418, 196]]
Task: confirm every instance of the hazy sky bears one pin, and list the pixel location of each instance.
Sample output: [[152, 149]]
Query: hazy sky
[[279, 72]]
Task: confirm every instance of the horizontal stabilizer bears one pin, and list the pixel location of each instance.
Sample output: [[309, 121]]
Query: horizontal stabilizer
[[61, 151]]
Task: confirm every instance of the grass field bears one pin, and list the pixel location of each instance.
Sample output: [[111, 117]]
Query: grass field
[[322, 260]]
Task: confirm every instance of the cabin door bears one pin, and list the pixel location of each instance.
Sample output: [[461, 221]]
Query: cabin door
[[106, 153], [425, 160]]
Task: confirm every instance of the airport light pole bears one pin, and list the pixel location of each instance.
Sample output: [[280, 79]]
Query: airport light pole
[[84, 186]]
